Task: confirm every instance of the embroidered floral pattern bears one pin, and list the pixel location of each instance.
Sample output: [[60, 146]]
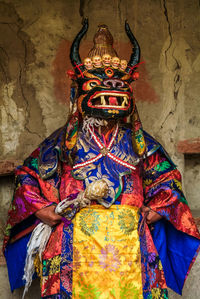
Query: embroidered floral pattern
[[77, 258], [147, 182], [55, 265], [34, 163], [89, 292], [89, 222], [66, 273], [126, 221], [128, 291], [162, 166], [157, 293], [51, 266], [66, 266], [109, 258]]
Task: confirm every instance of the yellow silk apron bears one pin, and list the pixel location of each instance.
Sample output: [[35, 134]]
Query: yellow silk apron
[[106, 253]]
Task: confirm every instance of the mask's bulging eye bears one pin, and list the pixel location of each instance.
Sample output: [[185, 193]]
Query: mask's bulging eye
[[91, 84]]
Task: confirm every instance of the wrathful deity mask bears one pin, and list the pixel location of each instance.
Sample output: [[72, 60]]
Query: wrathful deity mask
[[103, 81]]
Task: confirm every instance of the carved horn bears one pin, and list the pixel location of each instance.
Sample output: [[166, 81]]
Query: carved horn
[[74, 51], [135, 56]]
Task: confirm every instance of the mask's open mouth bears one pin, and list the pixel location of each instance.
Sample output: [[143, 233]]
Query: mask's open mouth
[[110, 100]]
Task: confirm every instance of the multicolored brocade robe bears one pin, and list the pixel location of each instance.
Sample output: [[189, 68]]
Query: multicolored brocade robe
[[171, 244]]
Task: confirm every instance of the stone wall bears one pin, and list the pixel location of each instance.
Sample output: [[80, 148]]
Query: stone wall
[[35, 38]]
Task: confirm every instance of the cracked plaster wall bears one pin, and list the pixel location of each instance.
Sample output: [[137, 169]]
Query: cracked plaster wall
[[35, 37]]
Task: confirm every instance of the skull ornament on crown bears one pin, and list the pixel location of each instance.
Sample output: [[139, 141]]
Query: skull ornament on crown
[[97, 61], [106, 58], [104, 90], [123, 65], [115, 62], [88, 63]]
